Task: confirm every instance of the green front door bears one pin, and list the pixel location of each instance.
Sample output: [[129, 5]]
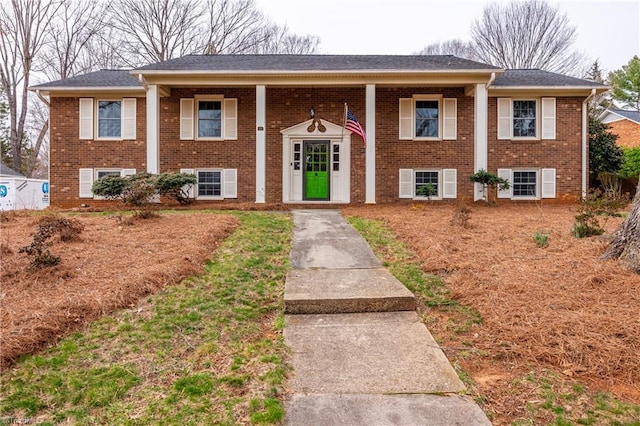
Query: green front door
[[316, 167]]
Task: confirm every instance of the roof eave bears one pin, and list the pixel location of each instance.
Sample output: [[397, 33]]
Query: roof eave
[[46, 91]]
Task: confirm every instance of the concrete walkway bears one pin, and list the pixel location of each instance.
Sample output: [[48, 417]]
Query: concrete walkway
[[361, 355]]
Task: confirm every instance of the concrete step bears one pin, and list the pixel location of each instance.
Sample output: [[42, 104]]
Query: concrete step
[[368, 353], [379, 410], [330, 291]]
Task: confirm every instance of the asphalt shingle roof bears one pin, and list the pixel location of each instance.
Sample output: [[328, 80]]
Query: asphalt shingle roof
[[316, 63], [102, 78], [536, 77], [631, 115], [8, 171]]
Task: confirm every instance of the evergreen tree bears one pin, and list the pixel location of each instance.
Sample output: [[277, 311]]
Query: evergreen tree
[[604, 154], [625, 84], [598, 103]]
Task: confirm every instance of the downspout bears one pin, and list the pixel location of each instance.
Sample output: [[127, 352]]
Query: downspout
[[42, 98], [585, 143], [143, 81], [491, 80]]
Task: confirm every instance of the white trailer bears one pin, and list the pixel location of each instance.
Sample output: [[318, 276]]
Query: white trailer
[[18, 193]]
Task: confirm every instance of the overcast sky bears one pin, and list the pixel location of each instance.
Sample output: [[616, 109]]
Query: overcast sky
[[607, 30]]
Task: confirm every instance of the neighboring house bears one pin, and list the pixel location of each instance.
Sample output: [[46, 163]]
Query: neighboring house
[[8, 172], [269, 128], [625, 124]]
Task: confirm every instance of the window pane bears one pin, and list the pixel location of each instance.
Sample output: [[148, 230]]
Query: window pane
[[424, 178], [209, 119], [427, 119], [524, 119], [103, 173], [109, 115], [209, 184], [525, 184]]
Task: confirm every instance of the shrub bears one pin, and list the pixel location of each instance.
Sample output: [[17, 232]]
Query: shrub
[[175, 185], [48, 226], [427, 190], [630, 163], [136, 191], [489, 180], [541, 239], [597, 203], [461, 215]]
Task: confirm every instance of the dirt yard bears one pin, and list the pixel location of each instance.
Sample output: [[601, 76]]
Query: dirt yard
[[111, 265], [558, 307]]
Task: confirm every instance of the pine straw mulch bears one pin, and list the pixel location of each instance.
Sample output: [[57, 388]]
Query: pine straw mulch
[[112, 264], [558, 307]]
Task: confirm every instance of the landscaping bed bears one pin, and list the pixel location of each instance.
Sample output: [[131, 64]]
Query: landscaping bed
[[114, 262], [554, 316]]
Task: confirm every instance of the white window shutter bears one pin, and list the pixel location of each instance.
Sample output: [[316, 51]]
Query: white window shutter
[[189, 189], [548, 183], [450, 118], [449, 183], [406, 183], [505, 119], [230, 111], [230, 183], [548, 118], [129, 118], [86, 118], [505, 174], [186, 119], [406, 119], [128, 172], [85, 183]]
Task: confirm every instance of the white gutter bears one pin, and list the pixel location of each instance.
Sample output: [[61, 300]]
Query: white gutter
[[42, 98], [585, 143], [491, 80], [143, 81]]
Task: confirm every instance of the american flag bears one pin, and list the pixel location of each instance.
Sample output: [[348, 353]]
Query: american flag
[[353, 125]]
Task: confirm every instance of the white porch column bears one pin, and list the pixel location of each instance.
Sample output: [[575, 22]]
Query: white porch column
[[481, 146], [153, 129], [370, 153], [261, 143]]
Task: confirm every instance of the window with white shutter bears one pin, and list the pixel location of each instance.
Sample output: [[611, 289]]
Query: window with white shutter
[[506, 175], [548, 183], [189, 189], [406, 183], [449, 183], [86, 118], [548, 118], [428, 117], [230, 181], [186, 119], [85, 182], [449, 118], [208, 118], [505, 122], [129, 118]]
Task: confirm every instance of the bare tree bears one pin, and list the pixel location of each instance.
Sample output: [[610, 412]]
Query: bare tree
[[527, 34], [279, 40], [75, 25], [38, 123], [455, 47], [233, 26], [156, 30], [24, 28]]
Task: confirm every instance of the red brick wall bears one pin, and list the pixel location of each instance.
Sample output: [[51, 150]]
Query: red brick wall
[[287, 107], [628, 133], [564, 153], [393, 154], [67, 153]]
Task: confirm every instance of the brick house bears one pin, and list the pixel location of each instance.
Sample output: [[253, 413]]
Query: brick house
[[625, 124], [270, 128]]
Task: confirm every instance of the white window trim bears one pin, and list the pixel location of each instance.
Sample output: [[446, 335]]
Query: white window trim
[[197, 186], [538, 185], [97, 120], [438, 98], [438, 196], [513, 120], [196, 100]]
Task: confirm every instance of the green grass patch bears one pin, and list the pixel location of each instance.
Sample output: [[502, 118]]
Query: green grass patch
[[430, 290], [206, 351]]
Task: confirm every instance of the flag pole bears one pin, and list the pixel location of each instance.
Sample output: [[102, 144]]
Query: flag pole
[[344, 120]]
